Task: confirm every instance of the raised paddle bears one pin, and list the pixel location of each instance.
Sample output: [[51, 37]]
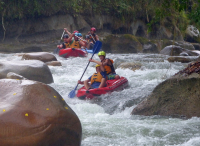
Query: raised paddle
[[62, 36], [96, 49], [57, 49]]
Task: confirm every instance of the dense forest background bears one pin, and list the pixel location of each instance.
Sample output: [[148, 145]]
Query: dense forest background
[[153, 12]]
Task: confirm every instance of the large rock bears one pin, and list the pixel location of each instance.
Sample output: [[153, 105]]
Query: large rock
[[179, 59], [131, 65], [54, 63], [192, 34], [42, 56], [30, 69], [173, 50], [150, 48], [34, 114], [178, 96], [122, 44]]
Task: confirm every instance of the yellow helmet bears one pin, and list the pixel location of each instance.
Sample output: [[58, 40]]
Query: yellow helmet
[[97, 65], [102, 53]]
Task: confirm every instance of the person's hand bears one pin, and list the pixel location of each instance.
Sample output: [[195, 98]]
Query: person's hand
[[91, 60], [65, 29], [59, 46], [79, 82]]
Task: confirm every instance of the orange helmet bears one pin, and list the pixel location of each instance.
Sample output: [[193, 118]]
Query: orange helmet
[[93, 29]]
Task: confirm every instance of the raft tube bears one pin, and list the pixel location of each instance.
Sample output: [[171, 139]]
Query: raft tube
[[112, 85], [72, 52], [89, 51]]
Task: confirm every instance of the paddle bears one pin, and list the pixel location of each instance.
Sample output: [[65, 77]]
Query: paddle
[[96, 49], [92, 37], [62, 36], [57, 49]]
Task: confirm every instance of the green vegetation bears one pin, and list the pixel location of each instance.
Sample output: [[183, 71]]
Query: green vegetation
[[154, 12]]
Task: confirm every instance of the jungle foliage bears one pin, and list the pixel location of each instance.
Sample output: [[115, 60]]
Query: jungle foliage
[[181, 12]]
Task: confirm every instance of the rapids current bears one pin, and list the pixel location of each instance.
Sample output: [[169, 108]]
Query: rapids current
[[106, 121]]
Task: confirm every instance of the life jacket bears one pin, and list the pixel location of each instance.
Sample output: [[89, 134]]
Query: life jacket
[[109, 68], [96, 77], [92, 38], [66, 45], [75, 44]]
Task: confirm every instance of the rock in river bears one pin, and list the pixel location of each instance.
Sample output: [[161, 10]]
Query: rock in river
[[34, 114]]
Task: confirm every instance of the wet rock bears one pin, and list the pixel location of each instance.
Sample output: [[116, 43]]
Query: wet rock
[[173, 50], [33, 113], [122, 44], [30, 69], [42, 56], [184, 45], [54, 63], [178, 96], [196, 46], [131, 65], [179, 59], [12, 75], [192, 34], [150, 48]]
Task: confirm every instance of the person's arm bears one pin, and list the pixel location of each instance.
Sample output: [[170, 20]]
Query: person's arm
[[59, 46], [97, 62], [70, 37], [67, 31], [82, 43], [106, 62], [97, 37], [80, 82]]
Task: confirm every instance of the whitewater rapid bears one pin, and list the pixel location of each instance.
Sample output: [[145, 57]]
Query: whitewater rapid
[[106, 121]]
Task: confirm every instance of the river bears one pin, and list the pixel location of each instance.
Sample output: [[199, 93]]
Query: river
[[106, 121]]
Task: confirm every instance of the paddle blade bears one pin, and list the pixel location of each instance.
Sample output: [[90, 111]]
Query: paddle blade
[[72, 94], [97, 47]]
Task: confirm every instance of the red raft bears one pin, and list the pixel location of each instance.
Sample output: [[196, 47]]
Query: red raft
[[72, 52], [112, 85]]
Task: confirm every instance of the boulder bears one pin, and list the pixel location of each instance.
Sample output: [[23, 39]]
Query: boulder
[[30, 69], [178, 96], [173, 50], [192, 34], [179, 59], [34, 114], [42, 56], [196, 46], [122, 44], [150, 48], [12, 75], [131, 65], [54, 63]]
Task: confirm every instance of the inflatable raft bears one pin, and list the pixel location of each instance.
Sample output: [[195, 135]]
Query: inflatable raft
[[112, 85], [72, 52], [89, 51]]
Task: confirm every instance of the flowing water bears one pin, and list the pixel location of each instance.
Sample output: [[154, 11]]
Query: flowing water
[[106, 121]]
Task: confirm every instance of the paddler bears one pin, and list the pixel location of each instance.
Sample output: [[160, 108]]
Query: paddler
[[93, 37], [75, 39], [97, 80], [66, 43], [107, 65]]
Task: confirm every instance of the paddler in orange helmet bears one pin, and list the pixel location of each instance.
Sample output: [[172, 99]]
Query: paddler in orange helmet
[[107, 65], [97, 80]]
